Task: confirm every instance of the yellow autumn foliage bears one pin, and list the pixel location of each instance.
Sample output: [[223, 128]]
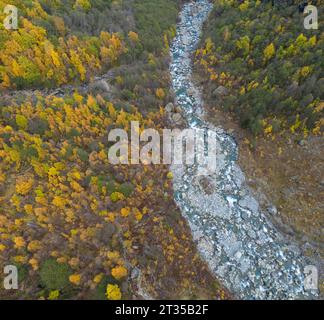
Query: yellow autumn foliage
[[54, 295], [119, 272], [75, 279], [113, 292], [160, 93], [34, 245], [97, 279], [19, 242], [269, 52], [24, 185], [133, 36], [125, 212]]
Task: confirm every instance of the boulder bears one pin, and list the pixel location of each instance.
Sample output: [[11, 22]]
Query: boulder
[[177, 118], [250, 203], [272, 210], [169, 107], [220, 91], [56, 92], [135, 273], [100, 85], [178, 109], [301, 142]]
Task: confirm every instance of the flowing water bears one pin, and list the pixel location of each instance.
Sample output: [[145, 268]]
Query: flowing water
[[243, 249]]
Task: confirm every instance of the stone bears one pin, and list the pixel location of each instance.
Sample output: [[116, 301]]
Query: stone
[[272, 210], [177, 118], [186, 40], [238, 176], [250, 203], [100, 85], [178, 109], [135, 273], [220, 91], [169, 107], [57, 92], [301, 142]]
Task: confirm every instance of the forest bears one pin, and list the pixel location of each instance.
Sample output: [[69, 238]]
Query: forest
[[270, 66], [74, 225], [78, 227]]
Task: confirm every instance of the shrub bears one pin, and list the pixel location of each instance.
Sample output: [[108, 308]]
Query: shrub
[[38, 126], [126, 189], [100, 292], [83, 155], [21, 121], [113, 292], [119, 272], [116, 196], [54, 275]]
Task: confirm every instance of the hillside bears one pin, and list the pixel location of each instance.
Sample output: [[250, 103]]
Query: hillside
[[271, 66], [76, 226]]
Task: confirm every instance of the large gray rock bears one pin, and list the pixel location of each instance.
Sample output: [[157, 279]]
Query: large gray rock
[[169, 107], [272, 210], [220, 91], [100, 85], [177, 118], [250, 203]]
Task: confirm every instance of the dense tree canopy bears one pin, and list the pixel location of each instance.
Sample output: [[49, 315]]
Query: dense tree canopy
[[271, 65], [75, 225]]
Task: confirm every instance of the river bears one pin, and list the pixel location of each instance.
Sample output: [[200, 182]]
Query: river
[[241, 246]]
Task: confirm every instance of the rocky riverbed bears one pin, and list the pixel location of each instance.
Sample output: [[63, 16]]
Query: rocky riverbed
[[242, 247]]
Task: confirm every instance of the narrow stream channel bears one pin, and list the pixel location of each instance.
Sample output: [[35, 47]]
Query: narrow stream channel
[[243, 249]]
